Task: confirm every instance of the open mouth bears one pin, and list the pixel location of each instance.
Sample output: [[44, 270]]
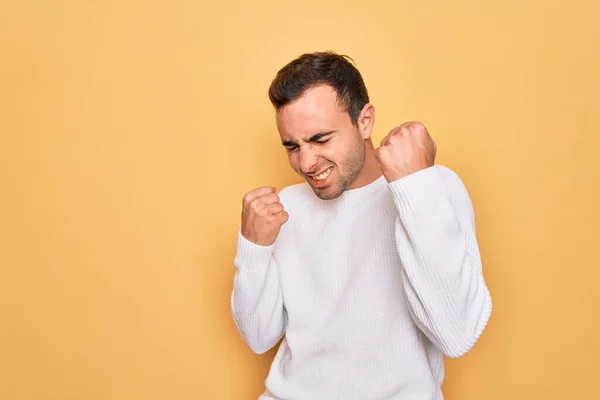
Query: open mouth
[[321, 179]]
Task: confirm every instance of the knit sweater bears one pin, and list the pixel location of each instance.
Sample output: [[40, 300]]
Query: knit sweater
[[369, 290]]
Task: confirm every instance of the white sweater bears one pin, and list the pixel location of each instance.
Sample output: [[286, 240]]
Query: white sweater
[[369, 289]]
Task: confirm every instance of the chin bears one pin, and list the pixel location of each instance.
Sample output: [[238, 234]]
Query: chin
[[331, 188], [328, 193]]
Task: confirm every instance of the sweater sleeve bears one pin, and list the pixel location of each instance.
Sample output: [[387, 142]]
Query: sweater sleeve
[[441, 264], [256, 299]]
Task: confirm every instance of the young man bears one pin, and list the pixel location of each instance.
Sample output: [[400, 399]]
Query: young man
[[371, 268]]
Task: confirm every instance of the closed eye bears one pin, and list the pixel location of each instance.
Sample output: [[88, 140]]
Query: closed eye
[[322, 141], [321, 137], [291, 145], [294, 147]]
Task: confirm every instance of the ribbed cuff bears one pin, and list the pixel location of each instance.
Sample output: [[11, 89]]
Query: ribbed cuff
[[418, 191], [250, 254]]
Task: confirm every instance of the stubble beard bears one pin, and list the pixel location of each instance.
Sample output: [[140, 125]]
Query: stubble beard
[[353, 165]]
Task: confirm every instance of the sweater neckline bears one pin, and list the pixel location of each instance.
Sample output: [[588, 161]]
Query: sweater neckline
[[363, 191]]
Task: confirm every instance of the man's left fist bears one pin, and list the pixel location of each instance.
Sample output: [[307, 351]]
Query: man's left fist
[[407, 149]]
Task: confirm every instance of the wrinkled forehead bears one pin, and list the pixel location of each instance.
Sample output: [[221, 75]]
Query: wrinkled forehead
[[317, 110]]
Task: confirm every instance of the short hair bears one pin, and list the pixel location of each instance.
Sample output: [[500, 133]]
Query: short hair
[[312, 69]]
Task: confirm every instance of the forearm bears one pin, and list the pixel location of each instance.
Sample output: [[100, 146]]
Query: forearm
[[256, 300], [442, 270]]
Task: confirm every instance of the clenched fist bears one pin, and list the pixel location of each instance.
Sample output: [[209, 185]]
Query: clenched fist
[[262, 216], [407, 149]]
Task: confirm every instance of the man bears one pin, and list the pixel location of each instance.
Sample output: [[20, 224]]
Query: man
[[371, 268]]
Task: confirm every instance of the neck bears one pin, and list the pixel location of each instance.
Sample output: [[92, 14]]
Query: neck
[[370, 171]]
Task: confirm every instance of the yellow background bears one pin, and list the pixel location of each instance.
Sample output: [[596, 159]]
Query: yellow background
[[131, 129]]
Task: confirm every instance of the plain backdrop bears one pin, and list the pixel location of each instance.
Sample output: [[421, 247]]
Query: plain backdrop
[[129, 131]]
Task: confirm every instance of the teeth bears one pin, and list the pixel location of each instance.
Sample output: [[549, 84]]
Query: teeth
[[324, 175]]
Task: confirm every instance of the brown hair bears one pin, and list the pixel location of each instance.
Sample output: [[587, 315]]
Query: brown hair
[[327, 68]]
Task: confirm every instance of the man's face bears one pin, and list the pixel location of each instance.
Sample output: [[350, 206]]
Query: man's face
[[323, 145]]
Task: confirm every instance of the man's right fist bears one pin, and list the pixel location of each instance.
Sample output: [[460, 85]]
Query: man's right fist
[[262, 216]]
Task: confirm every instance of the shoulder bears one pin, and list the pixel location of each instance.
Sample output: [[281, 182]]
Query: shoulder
[[297, 196]]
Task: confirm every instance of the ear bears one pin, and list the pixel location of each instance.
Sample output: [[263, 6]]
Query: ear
[[366, 121]]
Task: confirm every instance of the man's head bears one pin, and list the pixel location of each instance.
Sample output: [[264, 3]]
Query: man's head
[[324, 117]]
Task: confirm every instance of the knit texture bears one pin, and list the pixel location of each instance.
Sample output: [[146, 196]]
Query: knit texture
[[368, 290]]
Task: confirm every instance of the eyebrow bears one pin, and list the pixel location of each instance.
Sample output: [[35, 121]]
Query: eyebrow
[[313, 138]]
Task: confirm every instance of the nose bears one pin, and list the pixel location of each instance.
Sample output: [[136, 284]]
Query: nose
[[307, 160]]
